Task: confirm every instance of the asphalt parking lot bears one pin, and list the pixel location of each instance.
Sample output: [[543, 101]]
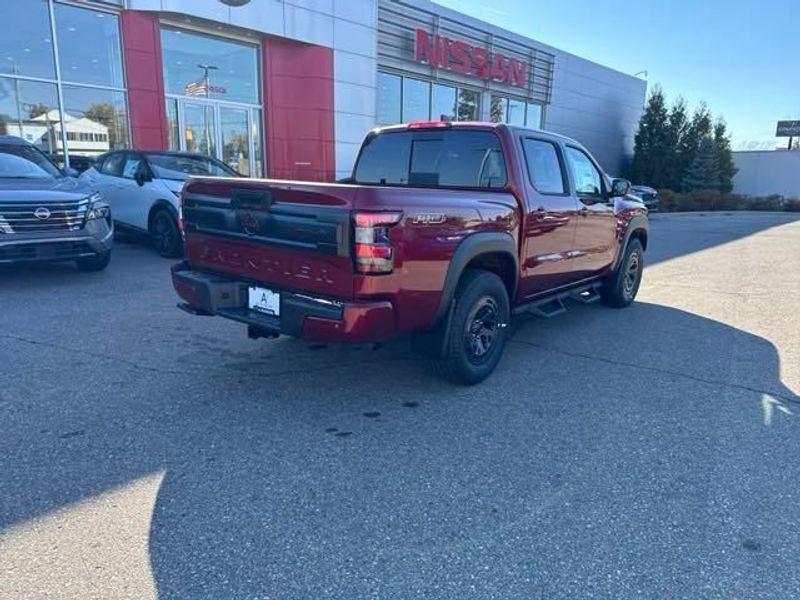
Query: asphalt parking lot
[[652, 452]]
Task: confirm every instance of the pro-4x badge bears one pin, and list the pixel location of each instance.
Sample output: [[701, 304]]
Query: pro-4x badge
[[429, 218]]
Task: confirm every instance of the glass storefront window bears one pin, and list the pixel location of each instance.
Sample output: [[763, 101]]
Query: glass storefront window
[[403, 99], [199, 128], [208, 67], [516, 113], [95, 120], [443, 102], [88, 46], [258, 151], [534, 118], [29, 109], [25, 45], [416, 100], [233, 124], [468, 101], [498, 109], [173, 127], [389, 99]]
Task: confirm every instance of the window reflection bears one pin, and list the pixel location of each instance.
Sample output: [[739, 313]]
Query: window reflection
[[534, 118], [25, 44], [498, 109], [29, 109], [403, 99], [443, 102], [516, 113], [468, 101], [207, 67], [389, 99], [416, 98], [94, 120], [258, 151], [88, 46], [173, 128]]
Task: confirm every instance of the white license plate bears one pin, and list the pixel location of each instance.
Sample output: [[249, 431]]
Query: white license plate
[[264, 301]]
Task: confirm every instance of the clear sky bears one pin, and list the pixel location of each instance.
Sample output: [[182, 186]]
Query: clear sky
[[742, 57]]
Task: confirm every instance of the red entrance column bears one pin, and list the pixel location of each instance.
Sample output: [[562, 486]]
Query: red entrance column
[[141, 46], [298, 103]]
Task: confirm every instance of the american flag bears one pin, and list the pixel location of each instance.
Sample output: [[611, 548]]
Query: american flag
[[196, 88]]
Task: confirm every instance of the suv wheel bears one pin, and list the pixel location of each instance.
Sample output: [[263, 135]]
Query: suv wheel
[[620, 289], [98, 262], [165, 234], [478, 329]]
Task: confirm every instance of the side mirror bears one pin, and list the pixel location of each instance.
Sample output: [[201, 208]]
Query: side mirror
[[141, 177], [71, 172], [620, 188]]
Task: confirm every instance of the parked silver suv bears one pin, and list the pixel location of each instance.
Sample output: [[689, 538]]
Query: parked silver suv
[[48, 215]]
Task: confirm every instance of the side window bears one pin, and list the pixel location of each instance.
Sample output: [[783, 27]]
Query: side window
[[585, 175], [112, 164], [133, 163], [544, 167]]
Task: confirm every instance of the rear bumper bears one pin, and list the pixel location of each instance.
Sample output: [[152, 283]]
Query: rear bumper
[[301, 315], [95, 238]]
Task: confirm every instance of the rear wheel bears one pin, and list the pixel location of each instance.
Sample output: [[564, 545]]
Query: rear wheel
[[98, 262], [621, 287], [165, 234], [478, 329]]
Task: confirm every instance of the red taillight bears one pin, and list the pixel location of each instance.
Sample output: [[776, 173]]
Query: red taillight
[[373, 251], [429, 125]]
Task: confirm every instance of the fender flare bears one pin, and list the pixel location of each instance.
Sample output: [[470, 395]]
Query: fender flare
[[469, 248], [638, 222], [159, 204]]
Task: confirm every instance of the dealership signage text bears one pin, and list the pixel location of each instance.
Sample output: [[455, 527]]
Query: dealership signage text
[[460, 57]]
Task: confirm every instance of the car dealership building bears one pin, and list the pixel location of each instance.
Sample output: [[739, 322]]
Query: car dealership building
[[287, 88]]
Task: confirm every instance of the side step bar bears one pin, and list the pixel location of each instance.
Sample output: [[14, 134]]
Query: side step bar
[[553, 305]]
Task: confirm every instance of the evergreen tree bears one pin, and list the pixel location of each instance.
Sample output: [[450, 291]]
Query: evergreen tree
[[704, 172], [724, 156], [700, 128], [677, 125], [650, 143]]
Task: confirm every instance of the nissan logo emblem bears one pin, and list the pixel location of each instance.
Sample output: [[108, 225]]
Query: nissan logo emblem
[[235, 2], [41, 213], [249, 223]]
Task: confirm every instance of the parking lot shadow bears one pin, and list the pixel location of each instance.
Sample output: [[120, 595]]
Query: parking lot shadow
[[372, 476]]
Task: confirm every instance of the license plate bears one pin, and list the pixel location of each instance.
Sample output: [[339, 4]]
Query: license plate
[[264, 301]]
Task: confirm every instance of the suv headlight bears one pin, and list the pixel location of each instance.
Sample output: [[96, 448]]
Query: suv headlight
[[97, 208]]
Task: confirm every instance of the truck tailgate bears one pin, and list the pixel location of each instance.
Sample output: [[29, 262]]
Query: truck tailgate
[[290, 235]]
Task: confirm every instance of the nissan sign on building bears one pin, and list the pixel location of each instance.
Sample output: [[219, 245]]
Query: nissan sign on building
[[278, 90]]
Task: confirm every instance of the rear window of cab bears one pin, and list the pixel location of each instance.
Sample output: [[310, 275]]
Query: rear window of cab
[[451, 158]]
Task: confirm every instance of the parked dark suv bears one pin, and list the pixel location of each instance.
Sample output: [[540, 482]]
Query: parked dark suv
[[46, 215]]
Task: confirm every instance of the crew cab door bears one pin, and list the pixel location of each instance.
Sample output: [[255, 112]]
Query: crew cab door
[[596, 231], [550, 219]]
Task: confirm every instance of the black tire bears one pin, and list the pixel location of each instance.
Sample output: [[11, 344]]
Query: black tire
[[165, 234], [621, 287], [478, 329], [98, 262]]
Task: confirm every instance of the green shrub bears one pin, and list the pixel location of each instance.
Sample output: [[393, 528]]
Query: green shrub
[[714, 200]]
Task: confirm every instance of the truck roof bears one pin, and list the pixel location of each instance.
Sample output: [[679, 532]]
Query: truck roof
[[481, 125]]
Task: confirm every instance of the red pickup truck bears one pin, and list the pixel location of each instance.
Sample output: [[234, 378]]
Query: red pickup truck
[[443, 231]]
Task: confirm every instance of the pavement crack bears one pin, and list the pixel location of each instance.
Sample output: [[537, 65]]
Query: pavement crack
[[622, 363]]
